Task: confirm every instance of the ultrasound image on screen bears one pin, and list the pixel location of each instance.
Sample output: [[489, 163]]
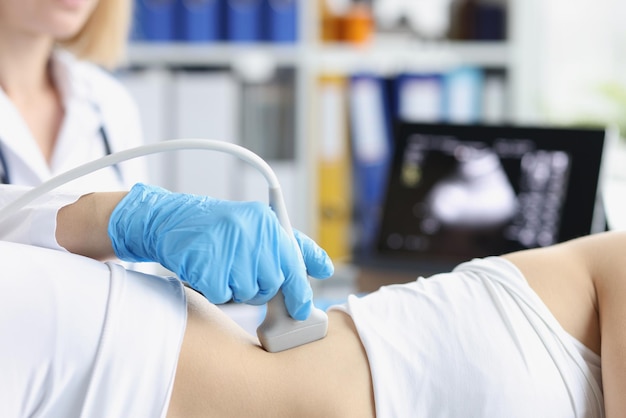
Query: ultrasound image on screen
[[487, 192]]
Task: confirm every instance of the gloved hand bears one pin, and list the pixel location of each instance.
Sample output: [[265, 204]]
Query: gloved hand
[[223, 249]]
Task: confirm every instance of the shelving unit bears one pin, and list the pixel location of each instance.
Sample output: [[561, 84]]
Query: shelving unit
[[399, 55], [388, 55], [384, 55], [519, 56]]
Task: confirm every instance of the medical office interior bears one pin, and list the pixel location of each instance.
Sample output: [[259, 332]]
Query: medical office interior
[[407, 134]]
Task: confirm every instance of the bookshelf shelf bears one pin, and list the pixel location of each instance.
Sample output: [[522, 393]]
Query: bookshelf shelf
[[392, 56], [214, 54], [379, 55]]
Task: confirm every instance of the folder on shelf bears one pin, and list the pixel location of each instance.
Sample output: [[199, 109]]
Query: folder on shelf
[[334, 186], [420, 97], [330, 15], [281, 17], [371, 152], [463, 95], [199, 115], [155, 20], [268, 116], [149, 89], [199, 20], [491, 21], [244, 20], [495, 98]]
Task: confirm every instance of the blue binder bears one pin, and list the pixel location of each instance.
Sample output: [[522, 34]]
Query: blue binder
[[491, 22], [372, 146], [155, 20], [463, 95], [281, 17], [199, 20], [244, 20]]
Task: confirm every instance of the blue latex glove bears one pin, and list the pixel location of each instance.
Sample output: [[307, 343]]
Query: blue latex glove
[[223, 249]]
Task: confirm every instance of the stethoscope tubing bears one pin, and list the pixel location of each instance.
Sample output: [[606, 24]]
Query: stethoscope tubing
[[4, 176]]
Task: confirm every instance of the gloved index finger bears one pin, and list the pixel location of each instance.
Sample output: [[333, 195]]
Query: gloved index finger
[[318, 263], [298, 297], [296, 287]]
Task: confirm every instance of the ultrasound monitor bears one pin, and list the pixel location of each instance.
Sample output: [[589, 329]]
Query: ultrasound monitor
[[456, 192]]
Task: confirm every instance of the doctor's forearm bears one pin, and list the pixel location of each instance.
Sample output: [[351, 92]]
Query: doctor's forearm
[[82, 225]]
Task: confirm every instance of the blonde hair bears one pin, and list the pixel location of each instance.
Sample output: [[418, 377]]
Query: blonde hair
[[104, 36]]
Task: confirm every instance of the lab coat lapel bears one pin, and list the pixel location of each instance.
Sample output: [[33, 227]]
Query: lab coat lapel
[[18, 141], [78, 136]]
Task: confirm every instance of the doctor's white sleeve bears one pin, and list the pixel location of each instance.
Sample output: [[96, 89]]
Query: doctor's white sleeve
[[35, 224]]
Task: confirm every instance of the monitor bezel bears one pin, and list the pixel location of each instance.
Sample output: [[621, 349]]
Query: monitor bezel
[[582, 142]]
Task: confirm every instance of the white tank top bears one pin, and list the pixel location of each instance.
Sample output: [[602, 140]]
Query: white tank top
[[476, 342]]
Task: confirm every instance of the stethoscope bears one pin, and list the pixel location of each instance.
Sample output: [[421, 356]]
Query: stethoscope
[[5, 177]]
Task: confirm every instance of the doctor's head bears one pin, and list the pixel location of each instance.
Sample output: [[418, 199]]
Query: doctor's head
[[96, 30]]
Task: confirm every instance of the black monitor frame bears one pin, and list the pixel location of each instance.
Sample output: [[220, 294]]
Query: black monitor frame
[[580, 214]]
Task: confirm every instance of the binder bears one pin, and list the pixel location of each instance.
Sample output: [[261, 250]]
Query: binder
[[334, 185], [244, 20], [330, 21], [199, 20], [371, 152], [149, 89], [357, 24], [199, 115], [491, 21], [495, 98], [463, 95], [420, 97], [155, 20], [268, 116], [281, 17]]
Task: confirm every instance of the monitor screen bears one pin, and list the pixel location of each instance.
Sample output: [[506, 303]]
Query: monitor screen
[[456, 192]]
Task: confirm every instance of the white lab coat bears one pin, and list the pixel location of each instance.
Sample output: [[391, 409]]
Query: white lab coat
[[92, 99]]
